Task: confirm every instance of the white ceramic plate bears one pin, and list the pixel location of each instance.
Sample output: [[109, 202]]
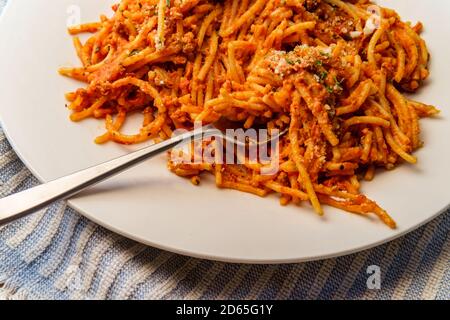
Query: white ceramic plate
[[152, 206]]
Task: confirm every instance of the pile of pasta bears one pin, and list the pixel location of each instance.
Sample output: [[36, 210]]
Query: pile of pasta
[[332, 72]]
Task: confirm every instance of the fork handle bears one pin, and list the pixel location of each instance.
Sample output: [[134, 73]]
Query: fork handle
[[21, 204]]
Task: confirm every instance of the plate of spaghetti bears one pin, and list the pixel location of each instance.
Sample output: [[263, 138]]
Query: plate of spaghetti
[[358, 88]]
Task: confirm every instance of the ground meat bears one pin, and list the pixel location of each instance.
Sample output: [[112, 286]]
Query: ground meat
[[312, 5], [188, 43]]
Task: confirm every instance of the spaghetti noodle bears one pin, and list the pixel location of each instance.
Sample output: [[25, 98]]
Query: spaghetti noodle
[[331, 71]]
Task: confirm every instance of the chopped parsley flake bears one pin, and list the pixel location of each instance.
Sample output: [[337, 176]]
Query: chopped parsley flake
[[329, 89], [289, 61]]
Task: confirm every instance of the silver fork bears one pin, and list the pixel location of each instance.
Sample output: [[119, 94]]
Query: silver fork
[[26, 202]]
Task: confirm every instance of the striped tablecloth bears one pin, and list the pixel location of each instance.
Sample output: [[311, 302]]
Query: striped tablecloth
[[58, 254]]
